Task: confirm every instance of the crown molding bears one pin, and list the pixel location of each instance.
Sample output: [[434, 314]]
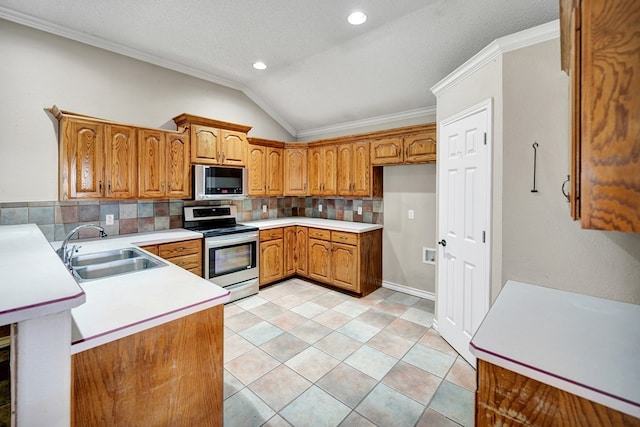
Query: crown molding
[[529, 37], [356, 124]]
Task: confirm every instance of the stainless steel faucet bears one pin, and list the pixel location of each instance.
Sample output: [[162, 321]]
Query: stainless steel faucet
[[64, 253]]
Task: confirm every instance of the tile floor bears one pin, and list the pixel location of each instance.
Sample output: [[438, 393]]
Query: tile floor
[[303, 355]]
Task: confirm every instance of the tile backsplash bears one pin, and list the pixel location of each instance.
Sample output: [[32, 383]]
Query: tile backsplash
[[56, 218]]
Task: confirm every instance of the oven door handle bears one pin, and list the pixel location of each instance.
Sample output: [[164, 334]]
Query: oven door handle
[[219, 241]]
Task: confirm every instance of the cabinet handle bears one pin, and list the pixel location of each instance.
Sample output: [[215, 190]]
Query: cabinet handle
[[272, 234], [343, 238], [100, 185], [219, 156], [182, 248], [162, 185], [406, 152], [169, 184]]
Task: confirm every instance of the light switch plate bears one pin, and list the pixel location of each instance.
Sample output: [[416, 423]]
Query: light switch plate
[[411, 214], [108, 220], [264, 208], [359, 210], [319, 208]]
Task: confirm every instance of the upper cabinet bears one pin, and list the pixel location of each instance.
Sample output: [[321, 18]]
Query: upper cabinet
[[323, 168], [265, 168], [354, 169], [105, 160], [600, 51], [408, 148], [295, 171], [215, 142]]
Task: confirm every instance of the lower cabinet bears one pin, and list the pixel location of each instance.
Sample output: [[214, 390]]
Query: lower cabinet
[[505, 397], [186, 254], [271, 255], [167, 375], [349, 261]]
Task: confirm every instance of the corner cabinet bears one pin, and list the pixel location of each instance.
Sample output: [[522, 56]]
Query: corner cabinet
[[214, 142], [296, 170], [600, 51]]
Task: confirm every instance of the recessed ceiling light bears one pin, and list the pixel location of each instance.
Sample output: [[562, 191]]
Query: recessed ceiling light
[[357, 18], [259, 65]]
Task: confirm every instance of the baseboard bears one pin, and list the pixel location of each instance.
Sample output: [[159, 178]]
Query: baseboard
[[434, 324], [409, 290]]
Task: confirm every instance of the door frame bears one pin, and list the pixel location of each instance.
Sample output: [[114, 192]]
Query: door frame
[[487, 105]]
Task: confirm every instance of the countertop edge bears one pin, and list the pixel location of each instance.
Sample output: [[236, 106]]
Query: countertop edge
[[331, 224]]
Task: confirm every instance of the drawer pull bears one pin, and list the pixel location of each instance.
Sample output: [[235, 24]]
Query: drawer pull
[[343, 238], [182, 248]]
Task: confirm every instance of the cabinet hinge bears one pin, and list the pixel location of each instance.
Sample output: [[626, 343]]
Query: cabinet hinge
[[485, 138], [484, 235]]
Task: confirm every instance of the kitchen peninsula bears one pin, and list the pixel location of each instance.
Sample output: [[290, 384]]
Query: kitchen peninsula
[[139, 346]]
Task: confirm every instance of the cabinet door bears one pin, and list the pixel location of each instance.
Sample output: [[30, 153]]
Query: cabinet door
[[330, 186], [361, 170], [204, 145], [178, 166], [274, 171], [295, 172], [344, 266], [121, 167], [301, 251], [316, 171], [271, 261], [387, 151], [233, 148], [610, 115], [420, 148], [320, 260], [257, 172], [290, 251], [152, 163], [345, 169], [82, 159]]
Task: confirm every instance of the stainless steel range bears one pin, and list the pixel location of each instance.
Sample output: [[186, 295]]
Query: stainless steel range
[[230, 249]]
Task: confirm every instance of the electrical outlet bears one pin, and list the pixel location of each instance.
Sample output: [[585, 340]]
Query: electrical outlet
[[109, 219], [411, 214], [359, 210], [264, 208], [319, 208]]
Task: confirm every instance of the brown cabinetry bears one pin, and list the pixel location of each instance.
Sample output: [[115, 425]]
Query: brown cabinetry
[[290, 246], [502, 393], [271, 255], [97, 160], [323, 168], [186, 254], [354, 169], [265, 170], [214, 142], [411, 148], [301, 250], [164, 169], [600, 45], [295, 171]]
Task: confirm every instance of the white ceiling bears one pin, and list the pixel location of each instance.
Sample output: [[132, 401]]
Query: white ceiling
[[322, 71]]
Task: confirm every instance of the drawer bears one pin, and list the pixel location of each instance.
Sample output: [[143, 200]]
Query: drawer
[[152, 248], [187, 261], [342, 237], [319, 233], [170, 250], [272, 234]]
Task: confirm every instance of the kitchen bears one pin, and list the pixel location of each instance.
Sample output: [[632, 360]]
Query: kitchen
[[54, 70]]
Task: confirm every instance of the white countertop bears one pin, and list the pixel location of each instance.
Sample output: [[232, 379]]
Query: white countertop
[[585, 345], [330, 224], [122, 305], [33, 280]]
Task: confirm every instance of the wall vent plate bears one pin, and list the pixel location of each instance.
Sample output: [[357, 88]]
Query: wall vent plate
[[428, 255]]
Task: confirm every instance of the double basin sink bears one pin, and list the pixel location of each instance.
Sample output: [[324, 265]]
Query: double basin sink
[[101, 265]]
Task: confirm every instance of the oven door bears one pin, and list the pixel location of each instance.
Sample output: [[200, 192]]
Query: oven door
[[231, 259]]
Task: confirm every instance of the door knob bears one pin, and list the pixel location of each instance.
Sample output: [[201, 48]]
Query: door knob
[[443, 243]]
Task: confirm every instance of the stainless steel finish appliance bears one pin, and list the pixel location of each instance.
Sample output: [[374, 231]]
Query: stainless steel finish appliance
[[219, 182], [230, 249]]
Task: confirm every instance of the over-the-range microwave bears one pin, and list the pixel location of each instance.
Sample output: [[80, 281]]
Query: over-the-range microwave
[[219, 182]]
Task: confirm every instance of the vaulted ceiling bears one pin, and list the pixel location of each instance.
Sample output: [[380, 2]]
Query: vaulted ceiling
[[322, 72]]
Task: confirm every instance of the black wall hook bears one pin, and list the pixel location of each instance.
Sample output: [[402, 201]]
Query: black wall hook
[[535, 153]]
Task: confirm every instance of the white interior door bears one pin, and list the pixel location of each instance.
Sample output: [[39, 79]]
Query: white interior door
[[463, 219]]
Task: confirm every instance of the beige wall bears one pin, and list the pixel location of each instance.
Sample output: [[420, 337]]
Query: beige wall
[[533, 237], [39, 70], [541, 244], [409, 187]]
